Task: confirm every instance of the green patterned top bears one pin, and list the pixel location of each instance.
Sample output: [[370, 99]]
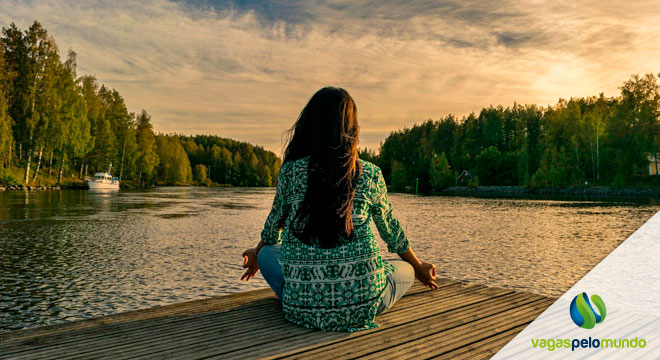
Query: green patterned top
[[336, 289]]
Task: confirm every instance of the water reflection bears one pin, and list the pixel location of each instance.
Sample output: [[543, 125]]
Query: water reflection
[[67, 255]]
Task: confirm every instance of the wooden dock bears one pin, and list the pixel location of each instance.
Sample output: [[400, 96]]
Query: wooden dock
[[456, 321]]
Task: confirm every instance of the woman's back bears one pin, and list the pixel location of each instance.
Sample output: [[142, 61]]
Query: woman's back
[[338, 288], [328, 271]]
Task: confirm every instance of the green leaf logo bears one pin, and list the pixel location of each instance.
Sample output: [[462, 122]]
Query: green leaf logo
[[583, 314]]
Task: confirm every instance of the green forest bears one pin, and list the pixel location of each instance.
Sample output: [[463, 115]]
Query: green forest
[[594, 141], [56, 126]]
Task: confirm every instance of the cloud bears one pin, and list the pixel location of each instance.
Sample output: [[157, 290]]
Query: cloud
[[245, 71]]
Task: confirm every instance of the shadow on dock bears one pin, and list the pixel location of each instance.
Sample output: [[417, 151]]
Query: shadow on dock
[[456, 321]]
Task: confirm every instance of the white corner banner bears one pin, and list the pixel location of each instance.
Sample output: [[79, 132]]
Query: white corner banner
[[613, 312]]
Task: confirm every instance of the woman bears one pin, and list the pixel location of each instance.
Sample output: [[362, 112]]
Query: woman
[[317, 251]]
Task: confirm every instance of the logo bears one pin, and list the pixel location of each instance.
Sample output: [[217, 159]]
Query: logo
[[583, 313]]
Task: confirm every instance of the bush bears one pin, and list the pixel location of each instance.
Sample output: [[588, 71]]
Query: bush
[[473, 183], [7, 179], [496, 168], [399, 177], [488, 165], [200, 175], [440, 173], [655, 180]]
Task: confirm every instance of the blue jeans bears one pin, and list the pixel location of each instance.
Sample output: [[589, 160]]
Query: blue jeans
[[398, 282]]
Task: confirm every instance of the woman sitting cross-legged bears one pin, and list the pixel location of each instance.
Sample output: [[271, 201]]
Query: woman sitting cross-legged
[[317, 250]]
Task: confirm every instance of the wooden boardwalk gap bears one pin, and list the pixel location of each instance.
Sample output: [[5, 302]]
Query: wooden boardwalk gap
[[457, 321]]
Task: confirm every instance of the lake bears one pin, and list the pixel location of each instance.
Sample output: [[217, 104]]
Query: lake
[[69, 255]]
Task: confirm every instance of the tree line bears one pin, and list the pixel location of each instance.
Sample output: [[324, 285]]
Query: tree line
[[52, 120], [228, 161], [593, 140]]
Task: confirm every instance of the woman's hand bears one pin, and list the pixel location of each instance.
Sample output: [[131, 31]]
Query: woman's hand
[[250, 264], [425, 272]]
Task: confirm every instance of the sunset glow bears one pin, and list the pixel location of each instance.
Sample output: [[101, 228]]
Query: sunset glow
[[245, 71]]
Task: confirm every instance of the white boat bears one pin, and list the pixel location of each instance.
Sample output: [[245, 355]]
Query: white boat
[[103, 181]]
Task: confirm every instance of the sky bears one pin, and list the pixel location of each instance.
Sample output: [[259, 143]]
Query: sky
[[245, 70]]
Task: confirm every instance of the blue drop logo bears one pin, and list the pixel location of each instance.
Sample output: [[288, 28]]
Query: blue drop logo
[[583, 314]]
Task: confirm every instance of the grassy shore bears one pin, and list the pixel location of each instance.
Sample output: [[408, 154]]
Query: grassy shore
[[13, 178], [15, 175]]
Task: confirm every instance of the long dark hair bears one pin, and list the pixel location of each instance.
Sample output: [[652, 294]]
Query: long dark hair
[[327, 131]]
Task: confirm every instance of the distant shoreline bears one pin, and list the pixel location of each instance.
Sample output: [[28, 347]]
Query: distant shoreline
[[521, 190], [83, 186], [454, 190]]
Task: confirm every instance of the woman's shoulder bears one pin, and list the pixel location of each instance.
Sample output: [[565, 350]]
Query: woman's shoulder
[[294, 165], [369, 169]]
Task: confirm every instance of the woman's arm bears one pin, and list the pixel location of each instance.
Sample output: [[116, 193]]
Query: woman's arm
[[387, 224], [275, 220], [392, 233], [272, 228]]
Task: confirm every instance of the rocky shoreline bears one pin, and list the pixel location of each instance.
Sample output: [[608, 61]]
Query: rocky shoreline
[[73, 186], [30, 188], [521, 190]]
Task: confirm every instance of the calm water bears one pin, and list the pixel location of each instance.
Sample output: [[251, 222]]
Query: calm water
[[67, 255]]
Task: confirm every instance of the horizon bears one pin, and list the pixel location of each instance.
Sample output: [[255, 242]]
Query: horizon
[[402, 64]]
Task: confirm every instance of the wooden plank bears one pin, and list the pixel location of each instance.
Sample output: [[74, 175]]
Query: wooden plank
[[401, 334], [72, 332], [103, 333], [210, 346], [459, 320], [219, 327], [222, 303], [193, 335], [436, 343], [121, 336], [320, 339], [482, 349]]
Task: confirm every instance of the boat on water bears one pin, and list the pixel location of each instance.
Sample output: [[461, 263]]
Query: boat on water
[[103, 181]]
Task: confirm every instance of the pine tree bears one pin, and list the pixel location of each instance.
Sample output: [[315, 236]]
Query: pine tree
[[78, 140], [122, 126], [200, 174], [174, 167], [440, 172], [147, 158], [6, 138], [45, 100], [89, 89], [16, 83]]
